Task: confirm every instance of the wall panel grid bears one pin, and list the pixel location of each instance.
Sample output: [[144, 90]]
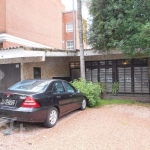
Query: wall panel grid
[[132, 75]]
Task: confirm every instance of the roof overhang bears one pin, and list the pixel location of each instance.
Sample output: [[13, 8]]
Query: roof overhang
[[20, 41], [20, 52], [26, 52]]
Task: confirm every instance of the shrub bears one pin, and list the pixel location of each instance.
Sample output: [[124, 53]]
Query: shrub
[[89, 89], [102, 87], [115, 88]]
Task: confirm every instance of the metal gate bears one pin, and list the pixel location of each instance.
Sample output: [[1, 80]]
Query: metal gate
[[9, 75]]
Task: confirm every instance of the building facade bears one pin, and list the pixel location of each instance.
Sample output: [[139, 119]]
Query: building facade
[[70, 30], [31, 23], [133, 75], [45, 26]]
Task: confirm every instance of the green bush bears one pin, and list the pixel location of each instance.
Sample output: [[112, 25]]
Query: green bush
[[102, 87], [90, 90], [115, 88]]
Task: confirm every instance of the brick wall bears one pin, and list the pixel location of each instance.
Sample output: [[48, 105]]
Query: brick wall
[[2, 16], [68, 18], [7, 44], [35, 20]]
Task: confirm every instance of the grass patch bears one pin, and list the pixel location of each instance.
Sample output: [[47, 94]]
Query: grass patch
[[121, 102]]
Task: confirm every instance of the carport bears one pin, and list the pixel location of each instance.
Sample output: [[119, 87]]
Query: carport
[[27, 62], [18, 63]]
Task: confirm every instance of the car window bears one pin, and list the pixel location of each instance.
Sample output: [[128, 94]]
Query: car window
[[30, 85], [69, 88], [58, 88]]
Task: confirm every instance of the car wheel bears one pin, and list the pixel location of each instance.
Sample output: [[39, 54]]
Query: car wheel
[[52, 118], [83, 105]]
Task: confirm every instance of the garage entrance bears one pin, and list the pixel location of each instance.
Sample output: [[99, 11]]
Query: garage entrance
[[9, 75]]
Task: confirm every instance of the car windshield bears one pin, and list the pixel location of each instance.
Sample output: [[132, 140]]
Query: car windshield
[[30, 85]]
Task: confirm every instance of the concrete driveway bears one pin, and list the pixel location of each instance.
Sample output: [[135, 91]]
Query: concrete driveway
[[117, 127]]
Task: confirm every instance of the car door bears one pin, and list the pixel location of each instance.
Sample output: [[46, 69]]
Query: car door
[[61, 97], [74, 97]]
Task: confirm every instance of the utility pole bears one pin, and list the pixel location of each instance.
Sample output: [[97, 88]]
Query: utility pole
[[80, 27]]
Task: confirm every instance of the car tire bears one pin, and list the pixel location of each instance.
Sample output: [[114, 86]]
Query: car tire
[[83, 104], [52, 118]]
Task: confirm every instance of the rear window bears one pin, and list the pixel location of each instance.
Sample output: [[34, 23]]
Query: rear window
[[30, 85]]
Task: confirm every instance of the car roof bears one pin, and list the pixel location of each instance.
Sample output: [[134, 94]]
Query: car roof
[[44, 80]]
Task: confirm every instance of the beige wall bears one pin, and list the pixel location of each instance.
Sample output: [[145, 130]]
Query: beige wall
[[20, 60], [58, 67]]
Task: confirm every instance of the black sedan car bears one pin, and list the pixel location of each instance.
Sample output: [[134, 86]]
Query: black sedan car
[[40, 100]]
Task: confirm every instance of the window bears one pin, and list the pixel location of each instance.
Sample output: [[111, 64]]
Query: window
[[69, 45], [124, 78], [141, 79], [58, 88], [69, 27], [99, 71], [37, 72], [132, 75], [75, 64], [69, 88]]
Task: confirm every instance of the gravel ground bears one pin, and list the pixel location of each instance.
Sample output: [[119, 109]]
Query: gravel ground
[[115, 127]]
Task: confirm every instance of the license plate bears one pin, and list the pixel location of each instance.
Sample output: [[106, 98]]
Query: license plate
[[8, 102]]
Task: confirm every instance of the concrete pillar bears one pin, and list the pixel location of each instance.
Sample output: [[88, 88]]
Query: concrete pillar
[[22, 71]]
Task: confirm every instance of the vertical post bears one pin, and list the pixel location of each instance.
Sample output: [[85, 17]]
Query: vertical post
[[74, 27], [80, 27], [22, 70]]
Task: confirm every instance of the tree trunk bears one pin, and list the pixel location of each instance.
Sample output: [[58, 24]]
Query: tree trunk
[[80, 27]]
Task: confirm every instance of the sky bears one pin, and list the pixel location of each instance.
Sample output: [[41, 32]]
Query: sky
[[69, 5]]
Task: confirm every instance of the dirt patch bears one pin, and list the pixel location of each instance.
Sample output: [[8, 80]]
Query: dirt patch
[[117, 127]]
